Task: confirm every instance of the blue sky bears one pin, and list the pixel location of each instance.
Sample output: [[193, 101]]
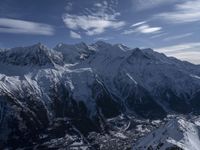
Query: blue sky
[[169, 26]]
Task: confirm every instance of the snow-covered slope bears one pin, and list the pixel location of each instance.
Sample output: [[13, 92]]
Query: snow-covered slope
[[74, 53], [179, 132], [165, 78], [88, 84]]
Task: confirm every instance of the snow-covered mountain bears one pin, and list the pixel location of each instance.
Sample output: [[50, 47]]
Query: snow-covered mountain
[[84, 85], [178, 133], [34, 55]]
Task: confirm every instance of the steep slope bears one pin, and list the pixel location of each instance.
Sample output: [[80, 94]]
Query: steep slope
[[166, 79]]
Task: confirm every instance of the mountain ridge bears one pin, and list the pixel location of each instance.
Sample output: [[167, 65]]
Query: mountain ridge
[[89, 84]]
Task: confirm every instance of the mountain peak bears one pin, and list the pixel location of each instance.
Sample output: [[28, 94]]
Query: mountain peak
[[138, 53], [37, 54], [122, 47], [102, 44], [81, 46], [39, 45]]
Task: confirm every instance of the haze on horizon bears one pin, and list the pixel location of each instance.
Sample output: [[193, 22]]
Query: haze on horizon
[[171, 26]]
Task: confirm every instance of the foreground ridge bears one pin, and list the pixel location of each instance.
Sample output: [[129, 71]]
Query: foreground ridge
[[177, 133]]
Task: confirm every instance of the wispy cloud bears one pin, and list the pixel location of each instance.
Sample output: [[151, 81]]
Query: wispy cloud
[[75, 35], [158, 35], [24, 27], [144, 4], [103, 38], [147, 29], [138, 23], [94, 21], [186, 51], [69, 6], [177, 37], [192, 57], [185, 12], [91, 24], [180, 47], [142, 27]]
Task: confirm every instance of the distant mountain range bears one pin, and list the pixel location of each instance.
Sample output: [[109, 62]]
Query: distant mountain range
[[64, 94]]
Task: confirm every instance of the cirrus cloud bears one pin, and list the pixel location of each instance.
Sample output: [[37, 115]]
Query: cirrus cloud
[[24, 27], [184, 51], [90, 24], [144, 4], [142, 27], [94, 21], [176, 37], [147, 29], [185, 12]]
